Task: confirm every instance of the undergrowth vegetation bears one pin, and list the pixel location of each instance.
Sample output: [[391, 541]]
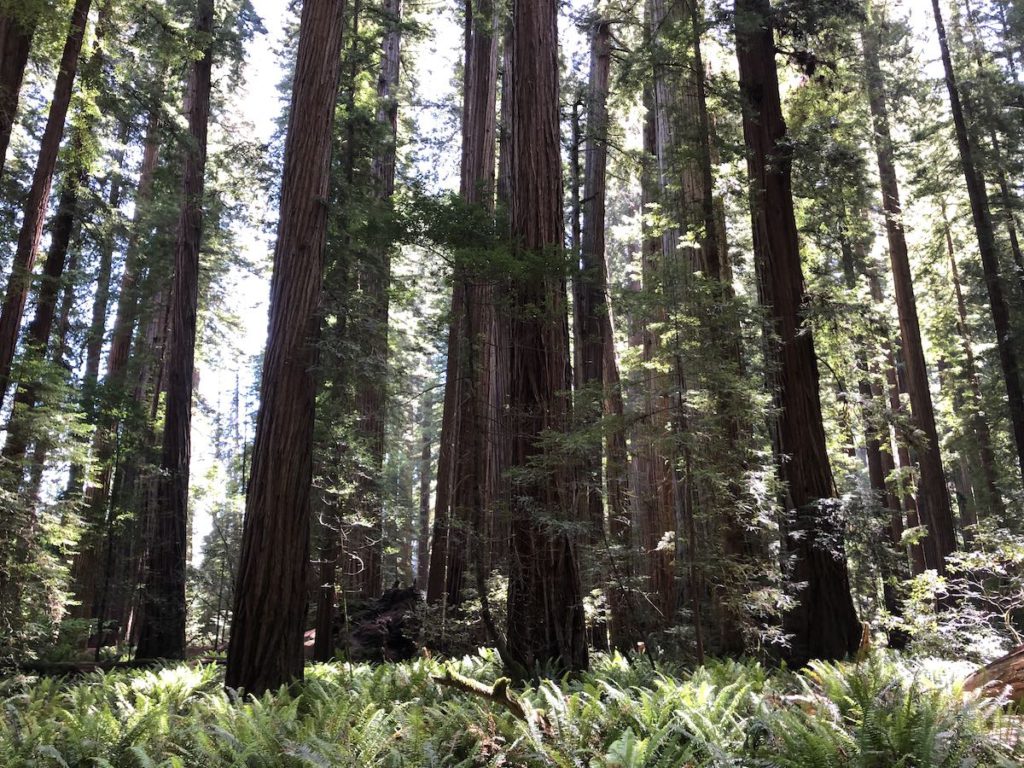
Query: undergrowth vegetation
[[883, 711]]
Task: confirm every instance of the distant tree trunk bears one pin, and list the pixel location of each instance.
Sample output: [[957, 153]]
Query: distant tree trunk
[[374, 276], [879, 461], [979, 424], [472, 493], [933, 495], [38, 198], [592, 298], [823, 624], [545, 607], [162, 632], [653, 482], [15, 43], [986, 245], [270, 598], [98, 321], [426, 439]]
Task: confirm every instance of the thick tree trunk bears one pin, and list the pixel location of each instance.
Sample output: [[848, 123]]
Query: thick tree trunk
[[270, 599], [986, 245], [15, 43], [545, 607], [823, 624], [933, 496], [162, 632], [38, 199]]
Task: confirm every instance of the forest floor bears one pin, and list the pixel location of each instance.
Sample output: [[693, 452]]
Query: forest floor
[[882, 711]]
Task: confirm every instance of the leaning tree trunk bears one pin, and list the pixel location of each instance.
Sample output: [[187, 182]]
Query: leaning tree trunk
[[986, 245], [270, 599], [162, 632], [823, 623], [75, 177], [38, 199], [933, 502], [545, 607]]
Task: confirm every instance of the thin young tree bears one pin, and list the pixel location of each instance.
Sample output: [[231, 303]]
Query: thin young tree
[[270, 598]]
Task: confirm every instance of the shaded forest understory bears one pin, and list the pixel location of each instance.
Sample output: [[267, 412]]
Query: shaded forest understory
[[683, 331]]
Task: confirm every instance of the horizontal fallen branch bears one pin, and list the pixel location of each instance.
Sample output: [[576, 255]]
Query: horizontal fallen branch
[[498, 693]]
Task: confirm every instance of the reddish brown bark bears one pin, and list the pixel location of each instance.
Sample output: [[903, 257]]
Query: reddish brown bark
[[62, 228], [374, 277], [545, 607], [592, 309], [15, 44], [162, 631], [933, 501], [38, 199], [270, 599], [823, 624], [472, 493], [982, 218]]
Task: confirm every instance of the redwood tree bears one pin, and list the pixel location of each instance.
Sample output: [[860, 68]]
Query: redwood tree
[[933, 501], [545, 607], [270, 597], [162, 633], [17, 27], [823, 623], [38, 200], [982, 217]]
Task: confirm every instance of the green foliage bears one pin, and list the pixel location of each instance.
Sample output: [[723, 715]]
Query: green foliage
[[880, 712]]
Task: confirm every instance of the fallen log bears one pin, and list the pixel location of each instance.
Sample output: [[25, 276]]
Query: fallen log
[[1004, 673]]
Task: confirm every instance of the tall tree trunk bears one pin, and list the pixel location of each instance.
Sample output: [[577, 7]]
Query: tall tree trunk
[[426, 451], [986, 245], [270, 599], [15, 44], [823, 623], [472, 492], [933, 501], [38, 198], [978, 422], [545, 607], [374, 275], [653, 482], [162, 632], [879, 460], [75, 177], [593, 310]]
